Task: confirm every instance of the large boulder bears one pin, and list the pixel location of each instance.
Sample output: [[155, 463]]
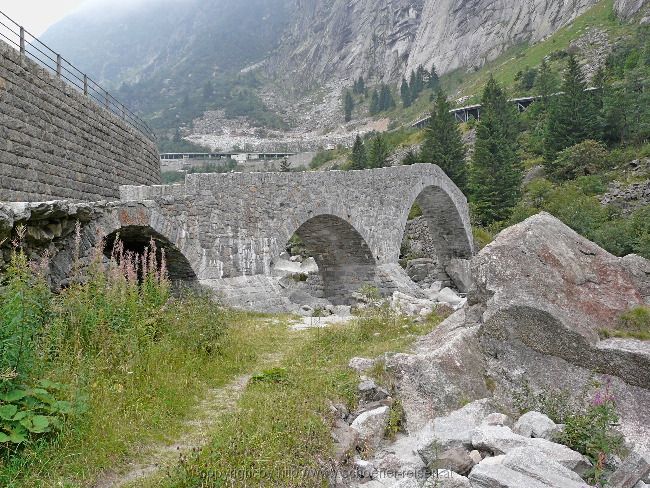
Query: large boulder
[[445, 369], [542, 293], [523, 467]]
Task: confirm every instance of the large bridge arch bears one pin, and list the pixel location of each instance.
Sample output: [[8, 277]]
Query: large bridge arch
[[136, 225], [442, 207], [345, 261]]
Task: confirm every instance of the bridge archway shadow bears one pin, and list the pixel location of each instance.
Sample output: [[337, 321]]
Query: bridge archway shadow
[[136, 238], [442, 235], [345, 262]]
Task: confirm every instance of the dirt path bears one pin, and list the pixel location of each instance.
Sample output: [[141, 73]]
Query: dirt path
[[217, 402]]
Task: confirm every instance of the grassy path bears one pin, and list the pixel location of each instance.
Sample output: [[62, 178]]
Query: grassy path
[[254, 413]]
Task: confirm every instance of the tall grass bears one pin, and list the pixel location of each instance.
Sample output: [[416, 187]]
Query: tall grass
[[114, 362]]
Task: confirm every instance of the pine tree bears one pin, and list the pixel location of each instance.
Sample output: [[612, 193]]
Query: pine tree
[[358, 158], [362, 86], [285, 166], [443, 144], [405, 93], [378, 153], [496, 171], [348, 106], [573, 116], [374, 103], [419, 79], [545, 84], [434, 81], [413, 84], [386, 101]]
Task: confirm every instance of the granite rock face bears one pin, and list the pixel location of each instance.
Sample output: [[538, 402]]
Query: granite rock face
[[342, 39], [627, 9], [539, 297]]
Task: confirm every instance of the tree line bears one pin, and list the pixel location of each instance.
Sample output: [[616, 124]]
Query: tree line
[[562, 128]]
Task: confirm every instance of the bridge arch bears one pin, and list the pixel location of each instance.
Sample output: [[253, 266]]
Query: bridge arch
[[136, 225], [444, 207], [137, 238], [345, 261]]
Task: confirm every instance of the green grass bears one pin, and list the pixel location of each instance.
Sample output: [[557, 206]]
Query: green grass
[[144, 402], [633, 324], [280, 433], [506, 66]]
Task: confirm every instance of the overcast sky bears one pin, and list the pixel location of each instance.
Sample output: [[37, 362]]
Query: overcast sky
[[37, 15]]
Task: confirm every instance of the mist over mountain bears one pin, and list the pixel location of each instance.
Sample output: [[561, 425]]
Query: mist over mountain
[[133, 41], [173, 60]]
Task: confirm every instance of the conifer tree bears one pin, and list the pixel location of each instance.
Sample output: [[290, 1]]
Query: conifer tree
[[358, 158], [362, 86], [545, 83], [573, 116], [386, 101], [374, 103], [496, 171], [348, 106], [405, 93], [420, 73], [443, 144], [378, 153], [434, 81], [413, 84]]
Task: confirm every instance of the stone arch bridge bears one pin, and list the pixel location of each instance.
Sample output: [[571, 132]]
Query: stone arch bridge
[[227, 230]]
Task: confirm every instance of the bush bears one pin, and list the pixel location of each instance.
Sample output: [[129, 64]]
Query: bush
[[590, 421], [583, 159], [592, 432], [29, 407]]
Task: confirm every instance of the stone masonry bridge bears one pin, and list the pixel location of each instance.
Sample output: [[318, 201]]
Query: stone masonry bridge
[[227, 230]]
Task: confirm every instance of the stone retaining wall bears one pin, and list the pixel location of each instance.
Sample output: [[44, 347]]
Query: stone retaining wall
[[55, 143]]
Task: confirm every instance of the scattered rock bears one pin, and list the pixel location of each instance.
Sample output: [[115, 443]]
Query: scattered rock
[[497, 419], [452, 431], [459, 271], [476, 456], [370, 392], [456, 459], [634, 469], [447, 295], [346, 440], [535, 424], [361, 365], [501, 440], [523, 467], [371, 425], [363, 469], [409, 305]]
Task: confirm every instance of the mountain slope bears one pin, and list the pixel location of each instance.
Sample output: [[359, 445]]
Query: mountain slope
[[162, 38], [386, 38]]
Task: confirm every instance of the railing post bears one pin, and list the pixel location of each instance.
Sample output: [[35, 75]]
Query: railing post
[[58, 66], [22, 40], [105, 99], [85, 84]]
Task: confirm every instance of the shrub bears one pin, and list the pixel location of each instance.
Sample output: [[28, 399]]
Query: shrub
[[592, 432], [28, 407], [583, 159]]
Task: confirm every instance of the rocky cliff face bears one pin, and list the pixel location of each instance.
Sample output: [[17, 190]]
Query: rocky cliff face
[[343, 39], [627, 9]]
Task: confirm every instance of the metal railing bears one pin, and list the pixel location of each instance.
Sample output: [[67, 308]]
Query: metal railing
[[28, 45]]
